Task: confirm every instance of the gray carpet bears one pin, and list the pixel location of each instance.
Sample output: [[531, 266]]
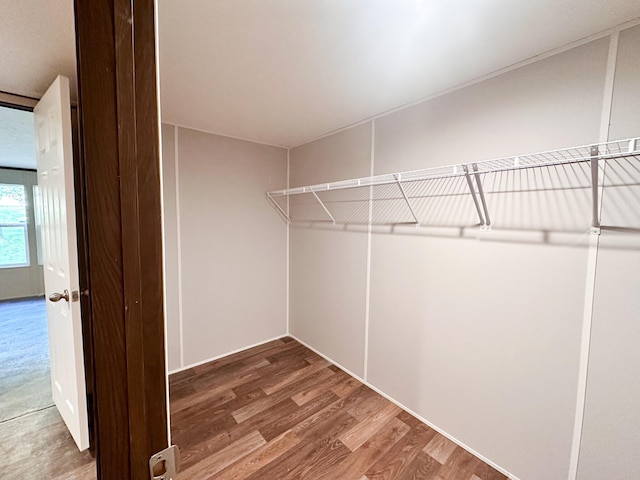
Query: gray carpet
[[25, 381]]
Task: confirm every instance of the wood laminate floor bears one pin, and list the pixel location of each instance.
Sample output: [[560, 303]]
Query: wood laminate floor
[[279, 411]]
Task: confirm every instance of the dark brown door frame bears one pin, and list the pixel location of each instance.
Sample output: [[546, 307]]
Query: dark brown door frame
[[119, 126]]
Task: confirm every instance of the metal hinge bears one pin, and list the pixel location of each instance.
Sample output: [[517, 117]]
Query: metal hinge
[[164, 465]]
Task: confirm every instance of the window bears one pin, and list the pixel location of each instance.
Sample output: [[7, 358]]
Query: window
[[14, 245]]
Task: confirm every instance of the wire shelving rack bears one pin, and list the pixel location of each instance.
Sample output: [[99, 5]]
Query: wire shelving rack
[[407, 193]]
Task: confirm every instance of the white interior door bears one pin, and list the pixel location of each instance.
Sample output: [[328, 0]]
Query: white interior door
[[60, 257]]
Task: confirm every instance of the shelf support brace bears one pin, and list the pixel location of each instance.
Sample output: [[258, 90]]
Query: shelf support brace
[[333, 220], [406, 199], [487, 220], [595, 216], [473, 192], [275, 204]]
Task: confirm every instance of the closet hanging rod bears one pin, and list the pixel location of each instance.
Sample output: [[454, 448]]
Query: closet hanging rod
[[581, 154]]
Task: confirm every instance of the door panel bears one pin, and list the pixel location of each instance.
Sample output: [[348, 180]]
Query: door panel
[[55, 179]]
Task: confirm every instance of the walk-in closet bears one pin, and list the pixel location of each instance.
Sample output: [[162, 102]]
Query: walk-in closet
[[473, 257], [320, 240]]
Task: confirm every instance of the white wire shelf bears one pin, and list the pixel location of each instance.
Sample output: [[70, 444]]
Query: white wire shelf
[[407, 193]]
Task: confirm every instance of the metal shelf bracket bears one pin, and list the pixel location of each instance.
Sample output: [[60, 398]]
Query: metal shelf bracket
[[467, 176], [279, 208], [333, 220], [487, 219], [406, 199]]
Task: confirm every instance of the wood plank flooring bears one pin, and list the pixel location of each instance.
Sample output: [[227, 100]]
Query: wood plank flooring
[[279, 411]]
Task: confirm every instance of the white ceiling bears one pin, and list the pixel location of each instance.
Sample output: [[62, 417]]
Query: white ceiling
[[36, 44], [286, 71]]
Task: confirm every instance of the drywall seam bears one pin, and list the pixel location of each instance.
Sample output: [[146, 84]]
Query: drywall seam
[[592, 263], [419, 417], [584, 356], [607, 101], [607, 107], [578, 43], [367, 306], [288, 247], [179, 242], [232, 352]]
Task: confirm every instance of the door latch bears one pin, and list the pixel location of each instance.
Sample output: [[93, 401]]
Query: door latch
[[164, 465]]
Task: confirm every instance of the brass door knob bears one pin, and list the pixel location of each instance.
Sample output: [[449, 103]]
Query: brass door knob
[[56, 297]]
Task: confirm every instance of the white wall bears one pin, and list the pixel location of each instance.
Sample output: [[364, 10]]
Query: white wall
[[626, 101], [479, 333], [226, 246], [611, 435], [23, 281], [329, 267], [171, 257]]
